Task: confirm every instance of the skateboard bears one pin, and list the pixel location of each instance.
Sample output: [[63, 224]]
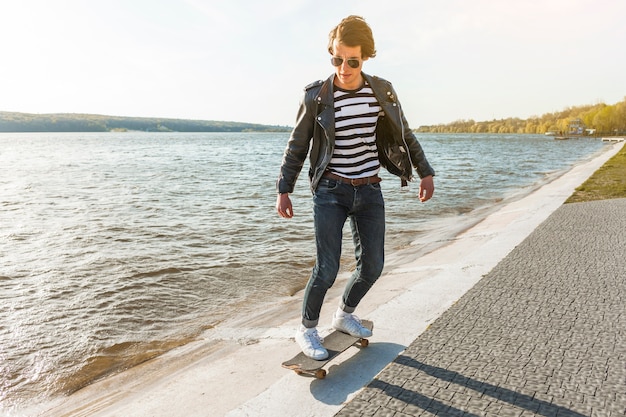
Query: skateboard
[[336, 343]]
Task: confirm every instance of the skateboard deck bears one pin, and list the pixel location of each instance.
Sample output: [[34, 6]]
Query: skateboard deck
[[336, 343]]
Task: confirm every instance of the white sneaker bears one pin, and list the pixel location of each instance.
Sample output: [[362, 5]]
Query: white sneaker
[[311, 343], [351, 324]]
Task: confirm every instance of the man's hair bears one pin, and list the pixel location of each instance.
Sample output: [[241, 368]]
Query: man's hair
[[353, 31]]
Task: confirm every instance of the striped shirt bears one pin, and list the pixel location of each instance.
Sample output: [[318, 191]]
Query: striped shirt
[[356, 115]]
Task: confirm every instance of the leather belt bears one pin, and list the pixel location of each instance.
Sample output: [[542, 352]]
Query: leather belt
[[355, 182]]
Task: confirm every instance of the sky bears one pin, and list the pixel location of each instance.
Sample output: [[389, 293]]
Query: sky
[[248, 61]]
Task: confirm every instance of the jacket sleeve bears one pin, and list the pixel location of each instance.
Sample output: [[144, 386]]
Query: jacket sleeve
[[418, 158], [298, 145]]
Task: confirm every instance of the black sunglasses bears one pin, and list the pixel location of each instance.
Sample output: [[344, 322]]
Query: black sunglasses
[[352, 62]]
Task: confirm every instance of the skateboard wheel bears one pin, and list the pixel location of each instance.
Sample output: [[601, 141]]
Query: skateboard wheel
[[364, 342], [320, 374]]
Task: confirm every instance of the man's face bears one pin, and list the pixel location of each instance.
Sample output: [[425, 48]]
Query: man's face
[[347, 77]]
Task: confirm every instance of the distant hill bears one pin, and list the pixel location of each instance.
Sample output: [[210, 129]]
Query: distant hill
[[70, 122]]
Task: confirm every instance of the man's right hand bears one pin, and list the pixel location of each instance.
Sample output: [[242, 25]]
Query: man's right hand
[[283, 206]]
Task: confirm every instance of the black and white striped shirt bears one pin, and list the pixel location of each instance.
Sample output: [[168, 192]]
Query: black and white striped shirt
[[356, 115]]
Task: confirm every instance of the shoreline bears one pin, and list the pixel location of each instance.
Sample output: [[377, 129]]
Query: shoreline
[[209, 373]]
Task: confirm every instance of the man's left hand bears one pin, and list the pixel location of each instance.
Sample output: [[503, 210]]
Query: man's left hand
[[427, 188]]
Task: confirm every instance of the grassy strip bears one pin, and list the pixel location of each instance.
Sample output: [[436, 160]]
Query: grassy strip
[[607, 182]]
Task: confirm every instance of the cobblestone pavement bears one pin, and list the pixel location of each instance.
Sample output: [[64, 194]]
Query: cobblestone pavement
[[543, 334]]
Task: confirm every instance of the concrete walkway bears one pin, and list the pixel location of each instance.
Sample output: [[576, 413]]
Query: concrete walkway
[[542, 334]]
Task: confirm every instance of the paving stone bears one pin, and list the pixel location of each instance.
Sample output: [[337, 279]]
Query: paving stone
[[542, 334]]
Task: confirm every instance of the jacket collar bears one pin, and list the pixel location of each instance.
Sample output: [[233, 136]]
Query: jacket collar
[[381, 90], [325, 94]]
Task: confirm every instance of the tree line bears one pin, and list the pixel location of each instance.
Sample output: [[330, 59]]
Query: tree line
[[601, 119], [597, 119], [69, 122]]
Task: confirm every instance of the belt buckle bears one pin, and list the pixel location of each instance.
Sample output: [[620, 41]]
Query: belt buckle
[[354, 182]]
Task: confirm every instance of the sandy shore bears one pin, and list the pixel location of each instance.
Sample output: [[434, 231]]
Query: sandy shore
[[235, 369]]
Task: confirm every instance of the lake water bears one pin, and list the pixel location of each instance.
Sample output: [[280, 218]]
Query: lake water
[[116, 247]]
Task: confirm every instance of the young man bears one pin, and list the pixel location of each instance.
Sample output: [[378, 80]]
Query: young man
[[352, 124]]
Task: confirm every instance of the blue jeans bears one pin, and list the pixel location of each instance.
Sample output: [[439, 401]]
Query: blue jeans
[[333, 203]]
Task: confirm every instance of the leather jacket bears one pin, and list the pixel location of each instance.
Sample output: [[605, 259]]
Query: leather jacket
[[315, 131]]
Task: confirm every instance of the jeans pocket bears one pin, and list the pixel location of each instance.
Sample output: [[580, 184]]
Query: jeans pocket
[[326, 184]]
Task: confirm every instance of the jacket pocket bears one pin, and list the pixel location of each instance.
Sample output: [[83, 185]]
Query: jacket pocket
[[393, 156]]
